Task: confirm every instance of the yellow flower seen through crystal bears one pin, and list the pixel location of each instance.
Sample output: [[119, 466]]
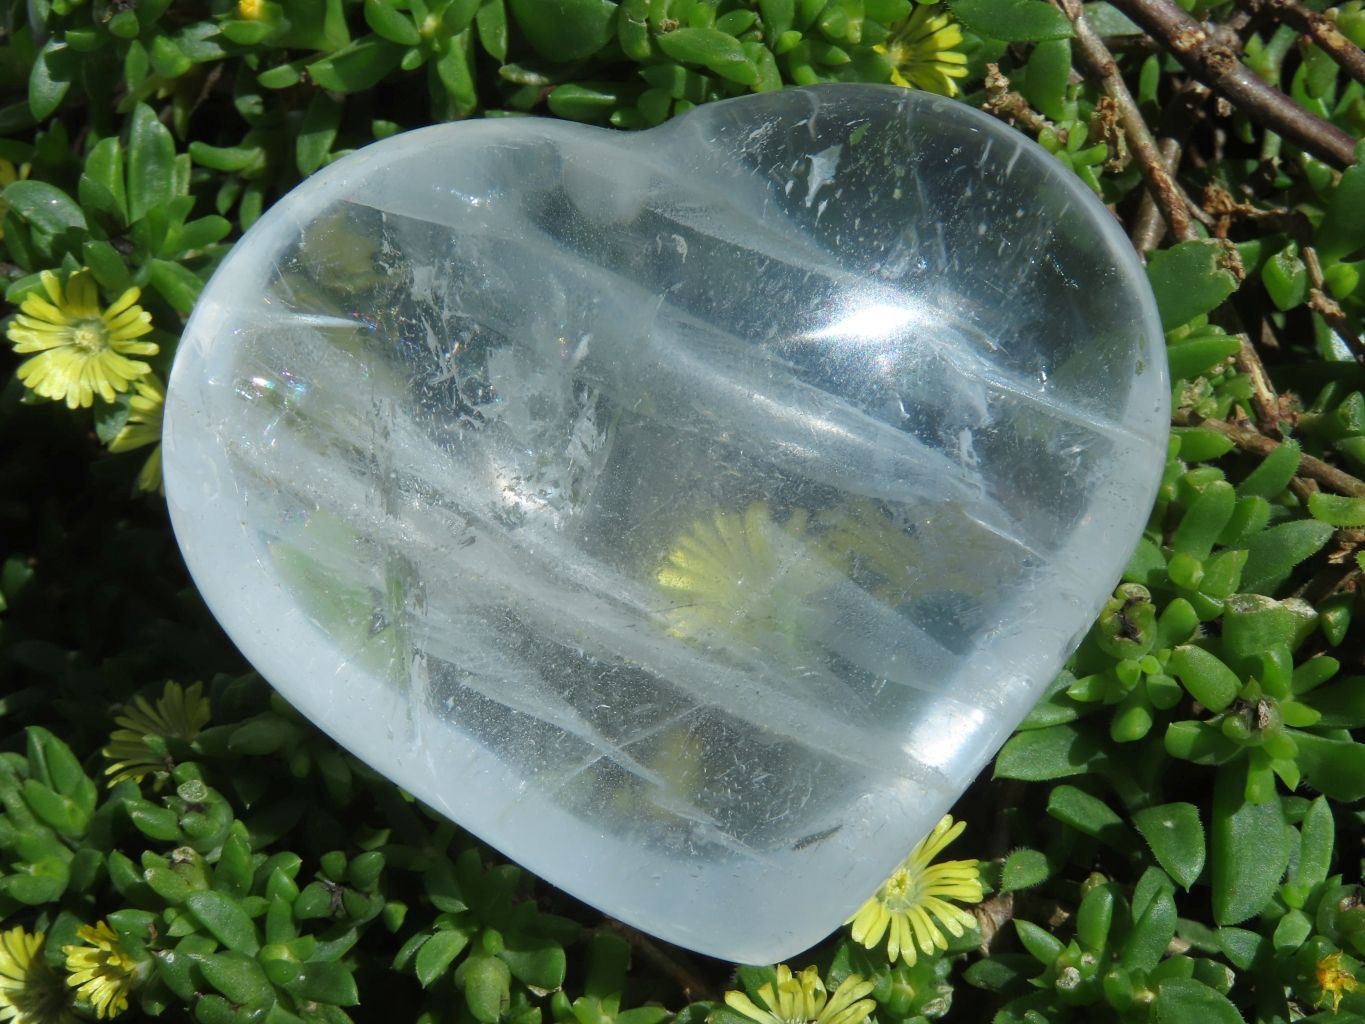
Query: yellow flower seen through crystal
[[803, 999], [922, 54], [30, 991], [146, 406], [911, 908], [82, 351], [743, 577], [179, 714], [1334, 980], [100, 971]]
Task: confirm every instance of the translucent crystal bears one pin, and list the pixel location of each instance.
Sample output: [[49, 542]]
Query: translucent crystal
[[689, 514]]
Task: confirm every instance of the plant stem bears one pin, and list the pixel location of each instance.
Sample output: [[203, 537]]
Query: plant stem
[[1202, 54], [1250, 440], [1164, 190], [1323, 31]]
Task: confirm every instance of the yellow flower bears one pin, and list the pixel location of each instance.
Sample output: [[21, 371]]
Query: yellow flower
[[144, 428], [179, 714], [803, 1000], [9, 174], [30, 992], [1334, 980], [81, 350], [250, 10], [101, 972], [913, 903], [743, 576], [921, 52]]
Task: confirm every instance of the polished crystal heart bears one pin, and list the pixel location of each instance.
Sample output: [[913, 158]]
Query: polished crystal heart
[[689, 514]]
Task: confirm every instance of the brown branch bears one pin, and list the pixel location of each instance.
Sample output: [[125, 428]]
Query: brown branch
[[1009, 106], [1251, 440], [1264, 400], [1148, 227], [1326, 306], [1168, 196], [1203, 54], [1318, 27]]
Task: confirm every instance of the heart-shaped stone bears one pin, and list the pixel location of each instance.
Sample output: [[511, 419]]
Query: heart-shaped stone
[[689, 514]]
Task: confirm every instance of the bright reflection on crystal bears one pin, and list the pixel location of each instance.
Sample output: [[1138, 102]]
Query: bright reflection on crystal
[[690, 514]]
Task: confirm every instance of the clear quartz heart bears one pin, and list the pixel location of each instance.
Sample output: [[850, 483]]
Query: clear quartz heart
[[689, 514]]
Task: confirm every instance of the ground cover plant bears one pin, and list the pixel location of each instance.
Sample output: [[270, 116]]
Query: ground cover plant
[[1173, 835]]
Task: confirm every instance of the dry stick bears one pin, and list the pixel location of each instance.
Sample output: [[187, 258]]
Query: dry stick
[[1101, 63], [1250, 440], [1177, 120], [1148, 227], [1321, 29], [1326, 306], [1198, 49]]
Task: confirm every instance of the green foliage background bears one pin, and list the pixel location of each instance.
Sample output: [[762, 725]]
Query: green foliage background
[[1174, 833]]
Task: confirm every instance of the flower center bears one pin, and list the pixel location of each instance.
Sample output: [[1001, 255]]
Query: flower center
[[89, 336], [900, 891]]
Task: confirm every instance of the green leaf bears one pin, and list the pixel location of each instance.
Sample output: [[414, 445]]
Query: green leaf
[[1272, 554], [1152, 931], [224, 919], [1108, 20], [1334, 767], [1089, 815], [1189, 279], [1337, 510], [1024, 869], [50, 78], [1204, 520], [1186, 1001], [1051, 753], [1342, 231], [565, 30], [239, 977], [1286, 278], [1317, 833], [1199, 444], [45, 206], [1274, 473], [711, 48], [1176, 838], [177, 284], [1014, 21], [1046, 76], [1042, 945], [151, 163], [1249, 849], [394, 25], [328, 982], [1342, 704], [358, 66], [318, 132], [437, 954], [1196, 355], [491, 24], [1207, 679], [104, 180], [539, 963], [487, 987]]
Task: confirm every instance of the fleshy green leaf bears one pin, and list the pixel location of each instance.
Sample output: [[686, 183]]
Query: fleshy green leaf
[[1249, 849], [1176, 838], [1189, 279], [1014, 21]]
